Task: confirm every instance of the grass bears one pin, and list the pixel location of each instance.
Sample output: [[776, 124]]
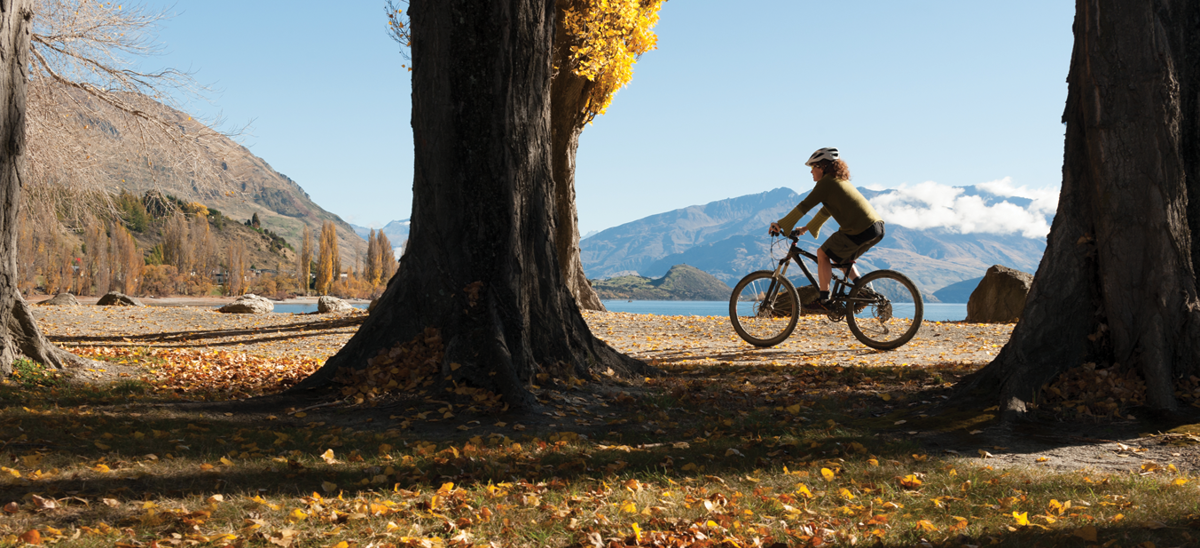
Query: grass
[[716, 455]]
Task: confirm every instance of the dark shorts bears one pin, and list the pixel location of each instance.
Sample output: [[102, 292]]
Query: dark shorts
[[843, 249]]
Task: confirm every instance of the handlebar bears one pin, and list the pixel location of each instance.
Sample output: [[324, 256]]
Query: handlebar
[[794, 236]]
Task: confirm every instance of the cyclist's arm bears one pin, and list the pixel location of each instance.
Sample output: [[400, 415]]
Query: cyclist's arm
[[814, 226], [814, 198]]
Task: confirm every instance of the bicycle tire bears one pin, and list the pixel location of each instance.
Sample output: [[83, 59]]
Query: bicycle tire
[[874, 324], [772, 310]]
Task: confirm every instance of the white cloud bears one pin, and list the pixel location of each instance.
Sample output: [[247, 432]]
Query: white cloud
[[934, 205]]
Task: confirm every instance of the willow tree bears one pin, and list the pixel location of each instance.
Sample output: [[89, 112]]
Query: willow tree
[[596, 44], [481, 265], [67, 64], [1117, 284]]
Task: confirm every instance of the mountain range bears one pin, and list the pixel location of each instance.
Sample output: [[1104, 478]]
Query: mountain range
[[727, 238]]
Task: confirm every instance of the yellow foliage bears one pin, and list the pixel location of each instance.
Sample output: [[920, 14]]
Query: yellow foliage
[[606, 37]]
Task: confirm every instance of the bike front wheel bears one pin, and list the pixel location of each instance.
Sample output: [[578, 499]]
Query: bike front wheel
[[884, 309], [764, 309]]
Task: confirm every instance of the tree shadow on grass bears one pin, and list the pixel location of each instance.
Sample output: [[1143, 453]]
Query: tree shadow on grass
[[733, 431], [217, 337]]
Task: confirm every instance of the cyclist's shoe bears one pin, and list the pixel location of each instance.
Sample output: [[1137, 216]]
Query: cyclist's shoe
[[868, 294], [819, 306]]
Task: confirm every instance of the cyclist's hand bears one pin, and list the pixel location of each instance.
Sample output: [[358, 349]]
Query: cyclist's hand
[[800, 232], [775, 230]]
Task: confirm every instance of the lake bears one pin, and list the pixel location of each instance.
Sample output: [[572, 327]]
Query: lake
[[934, 312]]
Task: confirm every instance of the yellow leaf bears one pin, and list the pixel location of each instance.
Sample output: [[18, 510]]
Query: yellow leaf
[[226, 461], [845, 493], [637, 532], [327, 456], [300, 415], [297, 515], [925, 525], [102, 446], [803, 490], [342, 544], [1022, 518], [328, 486], [873, 462], [827, 474], [1180, 481], [102, 468], [629, 507], [910, 481]]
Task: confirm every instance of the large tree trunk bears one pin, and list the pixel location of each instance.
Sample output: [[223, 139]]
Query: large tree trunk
[[481, 265], [19, 334], [1117, 284], [568, 115]]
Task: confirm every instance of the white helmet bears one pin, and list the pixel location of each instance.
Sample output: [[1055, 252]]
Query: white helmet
[[830, 154]]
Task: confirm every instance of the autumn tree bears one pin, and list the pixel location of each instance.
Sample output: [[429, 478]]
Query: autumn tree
[[1116, 288], [380, 261], [372, 266], [387, 258], [235, 265], [304, 270], [19, 334], [329, 265], [128, 259], [596, 44], [481, 266], [96, 242]]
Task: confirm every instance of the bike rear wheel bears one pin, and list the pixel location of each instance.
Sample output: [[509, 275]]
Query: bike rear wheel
[[764, 309], [884, 309]]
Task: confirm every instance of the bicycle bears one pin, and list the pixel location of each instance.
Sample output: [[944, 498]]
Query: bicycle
[[765, 305]]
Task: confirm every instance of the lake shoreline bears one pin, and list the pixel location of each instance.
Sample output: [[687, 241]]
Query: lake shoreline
[[202, 302]]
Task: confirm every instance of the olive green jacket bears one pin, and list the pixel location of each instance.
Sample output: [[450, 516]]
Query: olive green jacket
[[840, 200]]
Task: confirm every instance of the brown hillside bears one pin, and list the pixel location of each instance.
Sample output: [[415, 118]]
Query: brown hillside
[[248, 183]]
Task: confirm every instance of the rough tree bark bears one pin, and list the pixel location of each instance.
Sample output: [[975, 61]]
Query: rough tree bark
[[19, 334], [568, 116], [1117, 284], [483, 203]]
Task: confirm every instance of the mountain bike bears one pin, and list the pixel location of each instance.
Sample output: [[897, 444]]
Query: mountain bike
[[883, 308]]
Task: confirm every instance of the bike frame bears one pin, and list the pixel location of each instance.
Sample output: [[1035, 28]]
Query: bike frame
[[794, 253]]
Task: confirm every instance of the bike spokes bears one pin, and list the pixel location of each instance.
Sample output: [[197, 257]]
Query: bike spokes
[[887, 310], [763, 309]]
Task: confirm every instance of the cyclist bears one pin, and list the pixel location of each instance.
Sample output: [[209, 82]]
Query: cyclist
[[860, 227]]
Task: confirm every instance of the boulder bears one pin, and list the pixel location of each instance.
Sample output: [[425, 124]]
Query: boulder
[[62, 299], [332, 305], [1000, 296], [115, 298], [248, 304]]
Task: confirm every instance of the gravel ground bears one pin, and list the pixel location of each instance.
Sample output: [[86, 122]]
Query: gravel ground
[[668, 341]]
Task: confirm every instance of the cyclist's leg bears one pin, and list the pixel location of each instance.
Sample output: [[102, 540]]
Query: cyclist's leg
[[824, 270]]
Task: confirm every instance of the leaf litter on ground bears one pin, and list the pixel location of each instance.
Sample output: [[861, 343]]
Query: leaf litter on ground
[[731, 446]]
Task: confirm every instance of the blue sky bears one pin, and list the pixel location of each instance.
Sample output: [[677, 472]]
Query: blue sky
[[915, 94]]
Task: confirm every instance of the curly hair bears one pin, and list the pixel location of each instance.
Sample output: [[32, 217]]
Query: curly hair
[[837, 168]]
